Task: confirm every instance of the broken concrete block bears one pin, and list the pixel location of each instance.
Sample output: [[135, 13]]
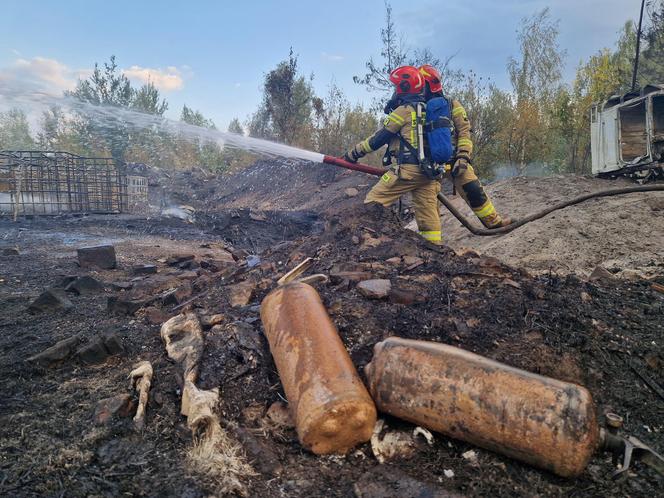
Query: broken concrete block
[[123, 306], [57, 353], [121, 405], [112, 343], [99, 349], [93, 352], [351, 192], [51, 300], [241, 294], [97, 257], [144, 269], [375, 289], [85, 285]]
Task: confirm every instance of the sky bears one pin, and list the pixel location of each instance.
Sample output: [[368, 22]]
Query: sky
[[213, 55]]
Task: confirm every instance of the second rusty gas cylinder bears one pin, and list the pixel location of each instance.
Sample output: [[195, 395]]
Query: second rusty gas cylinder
[[328, 401], [535, 419]]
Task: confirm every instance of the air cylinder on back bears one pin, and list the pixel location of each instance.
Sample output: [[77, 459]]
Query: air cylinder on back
[[328, 401], [535, 419]]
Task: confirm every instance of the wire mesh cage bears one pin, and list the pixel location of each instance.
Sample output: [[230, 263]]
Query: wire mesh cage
[[50, 182]]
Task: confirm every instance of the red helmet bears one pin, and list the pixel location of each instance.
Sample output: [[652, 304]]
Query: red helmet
[[432, 76], [407, 79]]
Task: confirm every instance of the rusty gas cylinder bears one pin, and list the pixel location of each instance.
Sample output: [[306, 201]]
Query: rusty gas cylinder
[[535, 419], [328, 401]]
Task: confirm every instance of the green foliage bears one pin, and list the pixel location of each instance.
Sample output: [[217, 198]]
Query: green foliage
[[285, 114], [147, 99], [15, 131]]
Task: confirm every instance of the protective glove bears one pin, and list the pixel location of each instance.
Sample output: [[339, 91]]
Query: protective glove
[[351, 156], [460, 165]]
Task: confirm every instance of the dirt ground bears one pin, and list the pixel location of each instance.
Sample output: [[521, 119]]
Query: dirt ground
[[554, 323]]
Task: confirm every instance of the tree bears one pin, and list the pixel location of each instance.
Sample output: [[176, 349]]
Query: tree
[[196, 118], [235, 127], [285, 113], [15, 131], [106, 87], [148, 99], [652, 62], [535, 78], [395, 52]]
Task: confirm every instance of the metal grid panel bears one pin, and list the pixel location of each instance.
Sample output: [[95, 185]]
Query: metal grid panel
[[45, 182]]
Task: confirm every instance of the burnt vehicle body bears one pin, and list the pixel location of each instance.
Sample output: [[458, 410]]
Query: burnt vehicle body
[[627, 134]]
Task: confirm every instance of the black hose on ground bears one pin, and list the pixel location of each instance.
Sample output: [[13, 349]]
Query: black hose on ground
[[372, 170], [541, 214]]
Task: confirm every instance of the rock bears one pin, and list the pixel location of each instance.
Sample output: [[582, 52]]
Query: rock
[[11, 251], [209, 321], [602, 275], [241, 294], [113, 343], [351, 192], [57, 353], [125, 286], [65, 281], [122, 306], [257, 215], [99, 349], [375, 289], [144, 269], [239, 254], [410, 261], [156, 316], [97, 257], [93, 352], [404, 296], [585, 297], [85, 285], [178, 259], [217, 265], [350, 276], [386, 481], [355, 239], [631, 275], [121, 405], [51, 300], [178, 295], [188, 275]]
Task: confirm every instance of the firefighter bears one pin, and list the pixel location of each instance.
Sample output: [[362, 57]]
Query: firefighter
[[465, 180], [400, 134]]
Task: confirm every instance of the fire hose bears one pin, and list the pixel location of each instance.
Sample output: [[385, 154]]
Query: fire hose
[[445, 201]]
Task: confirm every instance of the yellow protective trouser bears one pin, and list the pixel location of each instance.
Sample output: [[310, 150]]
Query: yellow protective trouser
[[424, 190], [468, 186]]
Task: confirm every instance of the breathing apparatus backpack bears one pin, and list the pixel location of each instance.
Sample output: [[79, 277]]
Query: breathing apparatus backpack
[[434, 136]]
